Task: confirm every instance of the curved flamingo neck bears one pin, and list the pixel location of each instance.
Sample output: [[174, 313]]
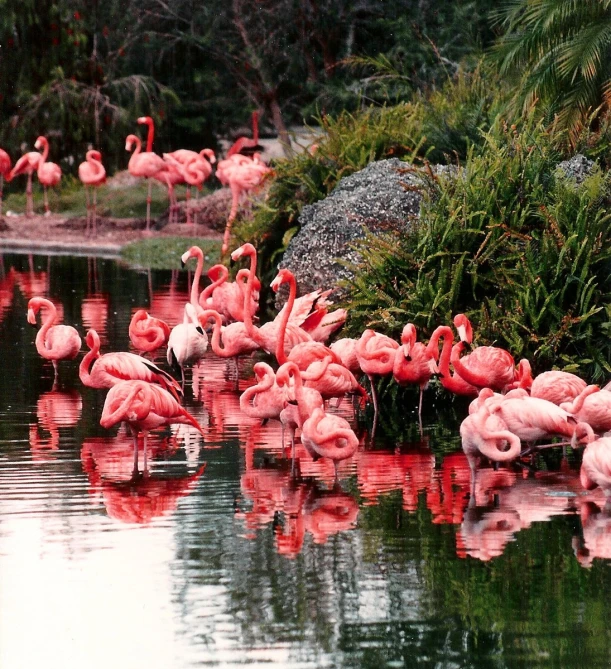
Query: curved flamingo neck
[[47, 321], [45, 151], [295, 373], [208, 290], [284, 319], [215, 341], [264, 383], [475, 378], [453, 383], [151, 132], [84, 370], [250, 328], [96, 164]]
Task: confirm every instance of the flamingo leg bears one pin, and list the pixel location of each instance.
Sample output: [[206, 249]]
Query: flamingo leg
[[148, 205], [235, 199], [1, 191], [187, 200], [135, 437], [95, 216], [55, 369], [46, 201], [144, 464], [29, 206], [87, 231], [374, 396]]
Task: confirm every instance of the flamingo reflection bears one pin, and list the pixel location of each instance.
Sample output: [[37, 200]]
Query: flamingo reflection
[[596, 528], [55, 409]]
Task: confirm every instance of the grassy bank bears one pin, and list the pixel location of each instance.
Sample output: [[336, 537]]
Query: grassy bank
[[165, 252]]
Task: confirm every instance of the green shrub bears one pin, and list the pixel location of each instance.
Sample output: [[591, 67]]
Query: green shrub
[[513, 243]]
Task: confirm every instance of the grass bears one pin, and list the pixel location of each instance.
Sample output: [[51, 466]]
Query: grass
[[165, 252]]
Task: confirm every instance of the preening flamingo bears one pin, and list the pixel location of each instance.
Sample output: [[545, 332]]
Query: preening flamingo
[[557, 386], [592, 406], [452, 382], [596, 464], [53, 342], [27, 164], [265, 399], [376, 355], [147, 333], [5, 172], [143, 406], [49, 174], [485, 434], [241, 174], [92, 174], [147, 164], [105, 371]]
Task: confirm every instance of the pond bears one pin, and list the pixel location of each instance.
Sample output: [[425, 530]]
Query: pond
[[223, 557]]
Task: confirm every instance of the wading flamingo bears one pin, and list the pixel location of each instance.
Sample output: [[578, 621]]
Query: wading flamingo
[[591, 406], [376, 355], [265, 399], [27, 164], [53, 342], [485, 434], [187, 343], [49, 174], [144, 407], [105, 371], [147, 165], [147, 333], [196, 168], [92, 175], [5, 172], [596, 464], [228, 297]]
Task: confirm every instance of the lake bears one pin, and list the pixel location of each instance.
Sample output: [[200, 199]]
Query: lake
[[222, 556]]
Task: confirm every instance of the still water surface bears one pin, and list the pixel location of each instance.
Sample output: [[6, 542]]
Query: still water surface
[[220, 557]]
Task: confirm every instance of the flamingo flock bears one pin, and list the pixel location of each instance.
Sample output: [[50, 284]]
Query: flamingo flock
[[242, 171], [510, 414]]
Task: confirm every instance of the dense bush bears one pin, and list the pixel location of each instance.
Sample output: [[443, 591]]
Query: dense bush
[[513, 243]]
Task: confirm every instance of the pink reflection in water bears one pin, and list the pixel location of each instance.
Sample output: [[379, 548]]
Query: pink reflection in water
[[94, 314], [55, 409], [596, 527]]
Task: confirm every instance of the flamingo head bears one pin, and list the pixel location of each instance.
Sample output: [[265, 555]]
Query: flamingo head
[[193, 252], [583, 434], [261, 370], [408, 339], [244, 250], [285, 372], [33, 308], [284, 275], [524, 374], [92, 339], [41, 142], [208, 154], [145, 119], [130, 140], [463, 325]]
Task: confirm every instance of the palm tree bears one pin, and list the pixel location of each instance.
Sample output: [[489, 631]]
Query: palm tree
[[559, 51]]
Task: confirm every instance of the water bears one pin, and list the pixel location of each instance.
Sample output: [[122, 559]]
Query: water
[[222, 558]]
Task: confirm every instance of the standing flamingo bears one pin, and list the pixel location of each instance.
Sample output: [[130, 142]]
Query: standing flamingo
[[147, 333], [53, 342], [227, 297], [5, 172], [246, 145], [557, 386], [592, 407], [147, 164], [49, 174], [265, 399], [485, 434], [92, 174], [187, 343], [241, 174], [105, 371], [376, 355], [596, 464], [27, 164], [196, 168], [143, 406]]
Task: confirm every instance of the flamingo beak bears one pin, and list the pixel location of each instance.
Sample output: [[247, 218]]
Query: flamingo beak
[[31, 317], [236, 254], [462, 332], [433, 366]]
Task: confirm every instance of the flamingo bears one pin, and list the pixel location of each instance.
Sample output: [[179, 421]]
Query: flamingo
[[452, 382], [557, 386], [144, 407], [147, 164], [332, 379], [105, 371], [194, 252], [93, 175], [246, 145], [414, 363], [485, 366], [485, 434], [53, 342], [345, 349], [596, 464], [265, 399], [27, 164], [241, 174], [228, 297], [147, 333], [376, 355], [195, 168], [49, 174], [5, 172], [187, 342], [591, 407]]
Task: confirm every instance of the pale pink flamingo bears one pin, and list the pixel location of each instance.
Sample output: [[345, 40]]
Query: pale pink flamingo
[[267, 335], [452, 382], [557, 386], [345, 349], [227, 297], [596, 464], [27, 164], [143, 406], [198, 254], [414, 363], [485, 366], [105, 371], [92, 174], [147, 333], [241, 174], [147, 165], [53, 342], [376, 355], [265, 399], [246, 145], [332, 379], [486, 434], [49, 174], [592, 406], [196, 168], [5, 172], [330, 436], [187, 342]]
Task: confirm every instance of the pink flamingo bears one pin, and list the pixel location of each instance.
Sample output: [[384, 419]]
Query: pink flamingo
[[557, 386], [196, 168], [376, 356], [227, 297], [105, 371], [241, 174], [414, 363], [321, 323], [328, 436], [92, 174], [332, 379], [53, 342], [596, 464], [265, 399], [147, 333], [49, 174], [194, 252], [27, 164], [144, 407], [485, 434], [268, 334], [592, 407], [345, 349], [187, 342], [5, 172], [485, 366], [147, 164], [246, 145], [452, 382]]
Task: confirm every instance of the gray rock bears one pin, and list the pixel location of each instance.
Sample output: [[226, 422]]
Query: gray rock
[[384, 198], [577, 168]]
